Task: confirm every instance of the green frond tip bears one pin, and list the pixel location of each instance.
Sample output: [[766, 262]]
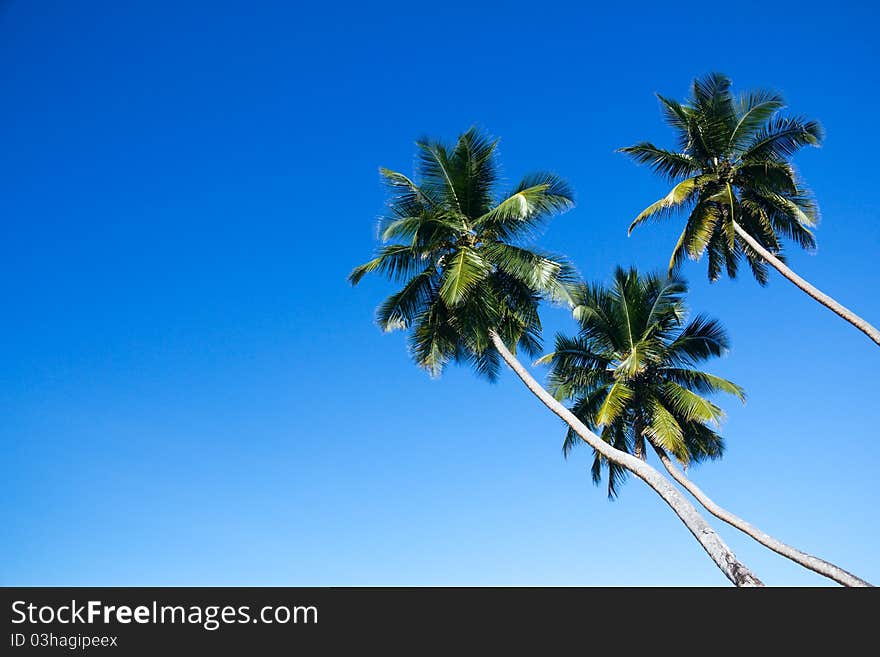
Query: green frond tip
[[535, 200], [679, 194], [395, 179], [362, 270]]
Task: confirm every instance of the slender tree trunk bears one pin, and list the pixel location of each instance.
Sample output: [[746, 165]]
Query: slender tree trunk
[[817, 294], [722, 555], [806, 560]]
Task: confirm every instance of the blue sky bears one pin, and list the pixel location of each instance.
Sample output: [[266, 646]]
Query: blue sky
[[192, 394]]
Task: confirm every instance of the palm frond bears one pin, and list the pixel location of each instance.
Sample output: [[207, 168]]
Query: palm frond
[[702, 442], [437, 174], [785, 205], [585, 409], [754, 109], [473, 161], [714, 118], [702, 381], [678, 117], [712, 92], [696, 235], [666, 298], [518, 323], [616, 437], [793, 230], [576, 368], [617, 475], [400, 309], [782, 137], [666, 163], [718, 250], [422, 230], [772, 175], [754, 220], [545, 273], [689, 405], [664, 430], [463, 271], [395, 261], [434, 342], [407, 197], [701, 339], [678, 196], [619, 394], [537, 197], [486, 363]]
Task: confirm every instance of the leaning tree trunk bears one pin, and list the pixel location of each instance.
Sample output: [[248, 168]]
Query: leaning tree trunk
[[806, 560], [722, 555], [817, 294]]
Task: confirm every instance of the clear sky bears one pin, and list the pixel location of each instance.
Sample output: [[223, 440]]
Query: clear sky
[[192, 394]]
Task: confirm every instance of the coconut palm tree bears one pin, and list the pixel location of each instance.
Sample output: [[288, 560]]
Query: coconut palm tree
[[632, 376], [631, 373], [734, 181], [470, 289]]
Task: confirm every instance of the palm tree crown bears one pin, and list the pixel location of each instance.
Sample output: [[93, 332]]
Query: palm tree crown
[[457, 249], [631, 371], [732, 165]]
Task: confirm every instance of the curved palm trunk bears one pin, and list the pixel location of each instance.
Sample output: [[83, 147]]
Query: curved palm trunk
[[818, 295], [722, 555], [815, 564]]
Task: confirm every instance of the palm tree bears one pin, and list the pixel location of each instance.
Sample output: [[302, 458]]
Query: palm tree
[[632, 375], [470, 289], [736, 184]]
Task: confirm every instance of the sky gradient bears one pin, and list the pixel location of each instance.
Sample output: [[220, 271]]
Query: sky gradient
[[192, 394]]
